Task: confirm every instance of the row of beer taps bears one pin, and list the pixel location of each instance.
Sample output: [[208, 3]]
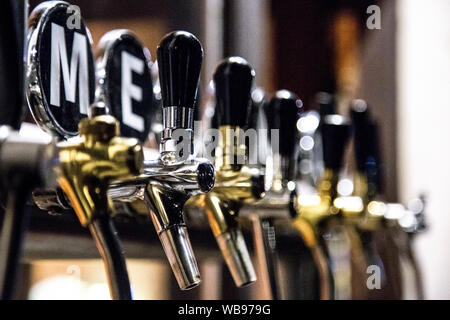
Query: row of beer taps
[[285, 180]]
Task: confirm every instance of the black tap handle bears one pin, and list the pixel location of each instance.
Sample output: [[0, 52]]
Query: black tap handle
[[283, 112], [12, 41], [180, 56], [335, 132], [363, 133], [326, 103], [233, 80], [367, 149]]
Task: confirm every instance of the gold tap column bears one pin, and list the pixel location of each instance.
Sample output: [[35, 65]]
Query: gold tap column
[[87, 168]]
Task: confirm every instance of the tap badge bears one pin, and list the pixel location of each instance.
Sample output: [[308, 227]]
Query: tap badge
[[61, 69], [125, 82]]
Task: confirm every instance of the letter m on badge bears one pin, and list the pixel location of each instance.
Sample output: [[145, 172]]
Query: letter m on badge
[[78, 65]]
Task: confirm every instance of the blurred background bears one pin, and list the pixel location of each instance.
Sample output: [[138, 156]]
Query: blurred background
[[402, 69]]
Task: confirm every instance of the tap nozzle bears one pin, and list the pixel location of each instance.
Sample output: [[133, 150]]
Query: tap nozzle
[[169, 190]]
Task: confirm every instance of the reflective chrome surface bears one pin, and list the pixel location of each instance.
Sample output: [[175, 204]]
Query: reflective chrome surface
[[165, 187]]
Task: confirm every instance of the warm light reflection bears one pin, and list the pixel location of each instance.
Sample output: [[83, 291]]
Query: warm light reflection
[[335, 119], [377, 208], [351, 204], [309, 200], [84, 279]]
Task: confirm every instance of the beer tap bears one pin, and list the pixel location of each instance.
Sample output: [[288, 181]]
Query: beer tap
[[236, 182], [87, 169], [384, 239], [263, 229], [379, 247], [311, 153], [92, 155], [367, 182], [167, 183], [24, 163], [177, 175], [275, 206], [275, 212], [321, 215]]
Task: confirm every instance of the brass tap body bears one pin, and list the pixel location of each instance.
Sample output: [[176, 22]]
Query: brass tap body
[[90, 164], [236, 184]]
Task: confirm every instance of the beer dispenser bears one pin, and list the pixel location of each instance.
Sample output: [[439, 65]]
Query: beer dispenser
[[322, 216], [169, 181], [177, 175], [120, 57], [236, 182], [91, 152], [289, 250]]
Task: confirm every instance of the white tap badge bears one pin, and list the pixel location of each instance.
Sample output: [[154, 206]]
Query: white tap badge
[[61, 76]]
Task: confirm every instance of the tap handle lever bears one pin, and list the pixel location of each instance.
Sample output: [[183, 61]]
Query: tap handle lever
[[326, 103], [335, 132], [233, 80], [180, 56], [283, 113], [367, 149]]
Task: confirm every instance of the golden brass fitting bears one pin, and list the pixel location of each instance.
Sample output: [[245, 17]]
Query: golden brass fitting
[[91, 163], [373, 211], [327, 213], [235, 185], [313, 208]]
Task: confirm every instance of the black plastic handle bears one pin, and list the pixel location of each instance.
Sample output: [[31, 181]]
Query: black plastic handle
[[233, 79], [335, 132], [12, 41], [283, 112], [180, 56], [326, 103], [367, 148]]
